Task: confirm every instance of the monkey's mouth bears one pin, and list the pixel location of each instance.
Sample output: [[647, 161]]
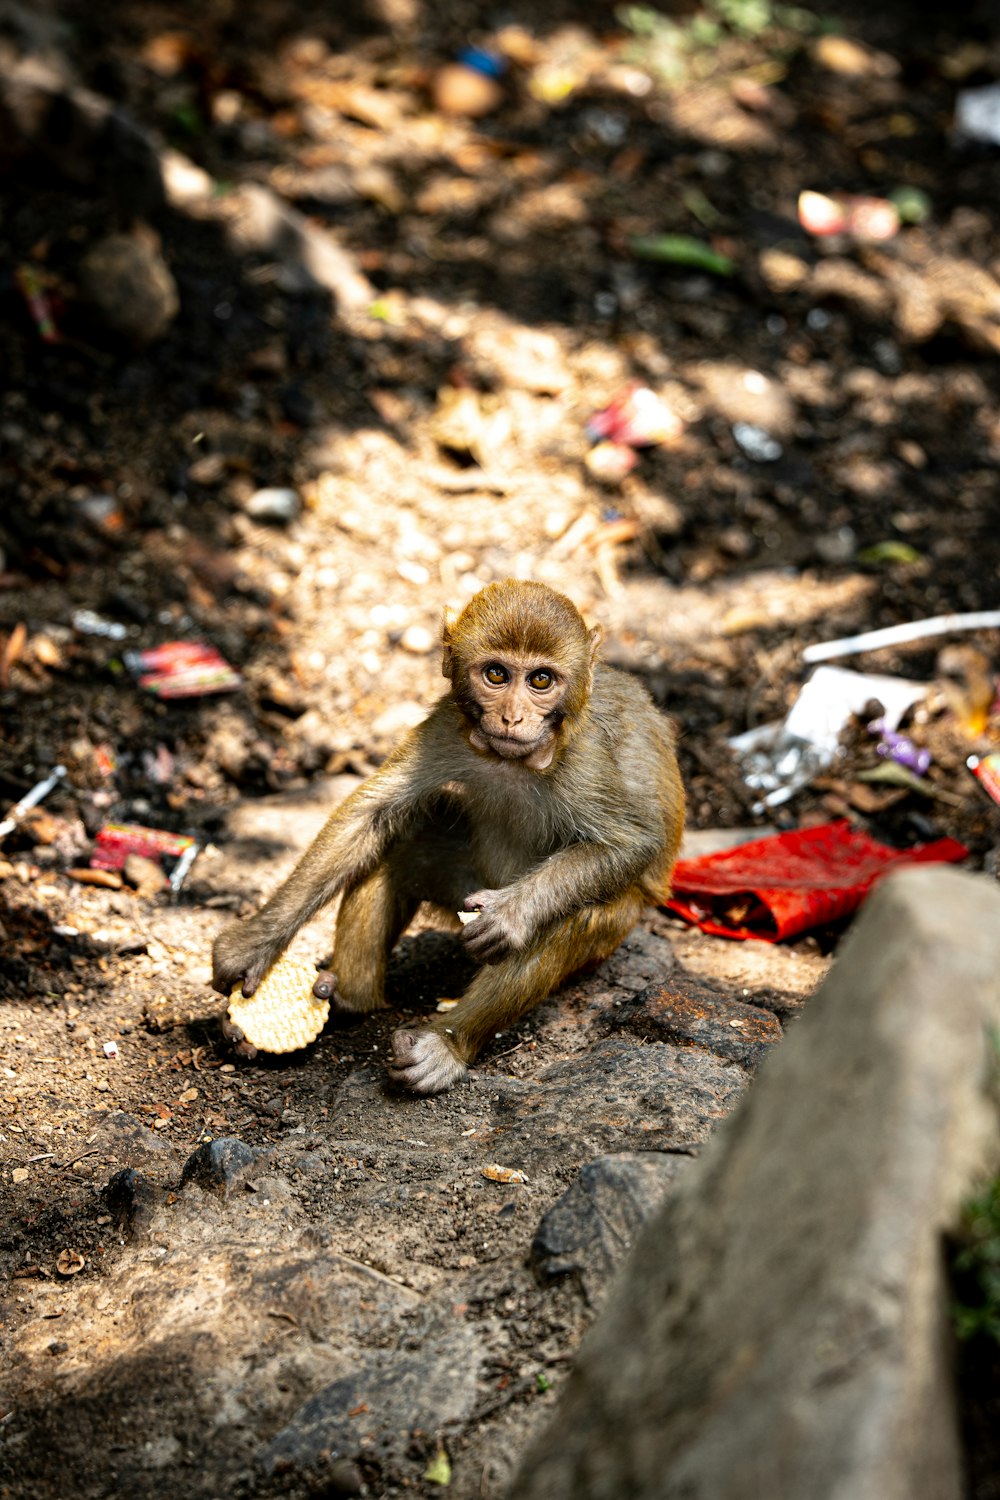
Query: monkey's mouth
[[510, 748]]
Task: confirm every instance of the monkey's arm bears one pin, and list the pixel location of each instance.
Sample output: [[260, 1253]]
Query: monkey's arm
[[351, 843], [589, 872]]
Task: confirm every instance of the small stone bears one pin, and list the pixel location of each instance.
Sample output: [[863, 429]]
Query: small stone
[[218, 1165], [183, 181], [110, 880], [757, 444], [397, 719], [344, 1478], [465, 91], [276, 504], [129, 288], [610, 463], [418, 640]]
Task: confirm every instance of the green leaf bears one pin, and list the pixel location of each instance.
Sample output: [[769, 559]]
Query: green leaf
[[681, 250], [543, 1382], [889, 551], [439, 1469], [912, 204]]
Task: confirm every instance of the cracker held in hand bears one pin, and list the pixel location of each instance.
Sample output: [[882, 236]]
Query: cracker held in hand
[[282, 1014]]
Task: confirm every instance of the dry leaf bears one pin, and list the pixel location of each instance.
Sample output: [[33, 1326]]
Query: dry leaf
[[70, 1262], [504, 1174]]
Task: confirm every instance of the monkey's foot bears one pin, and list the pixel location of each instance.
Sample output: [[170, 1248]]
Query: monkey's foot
[[236, 1039], [423, 1062], [325, 988]]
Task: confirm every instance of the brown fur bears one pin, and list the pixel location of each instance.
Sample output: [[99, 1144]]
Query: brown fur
[[555, 810]]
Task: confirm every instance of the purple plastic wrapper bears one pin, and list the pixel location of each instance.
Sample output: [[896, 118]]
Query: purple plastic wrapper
[[900, 748]]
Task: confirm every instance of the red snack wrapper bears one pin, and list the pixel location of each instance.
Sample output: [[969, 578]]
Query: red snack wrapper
[[116, 841], [638, 417], [789, 883], [183, 669], [987, 773]]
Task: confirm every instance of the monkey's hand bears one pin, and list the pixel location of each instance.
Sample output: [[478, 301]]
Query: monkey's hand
[[240, 955], [423, 1062], [500, 929]]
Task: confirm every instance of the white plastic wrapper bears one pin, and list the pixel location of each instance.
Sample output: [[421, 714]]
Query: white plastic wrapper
[[779, 759]]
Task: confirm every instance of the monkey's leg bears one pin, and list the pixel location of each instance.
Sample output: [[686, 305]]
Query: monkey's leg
[[432, 1059], [371, 919]]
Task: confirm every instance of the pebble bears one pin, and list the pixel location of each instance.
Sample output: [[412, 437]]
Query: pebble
[[217, 1165], [129, 288], [418, 640], [757, 444], [398, 718], [276, 504], [461, 90]]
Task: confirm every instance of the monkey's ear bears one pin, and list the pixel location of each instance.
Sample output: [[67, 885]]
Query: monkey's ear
[[596, 634], [447, 636]]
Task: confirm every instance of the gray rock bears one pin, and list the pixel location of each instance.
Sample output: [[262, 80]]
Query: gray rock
[[377, 1407], [218, 1165], [132, 1201], [687, 1012], [591, 1227], [122, 1134], [641, 959], [84, 136], [782, 1328], [617, 1094], [308, 256]]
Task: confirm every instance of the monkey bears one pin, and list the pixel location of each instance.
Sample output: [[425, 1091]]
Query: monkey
[[541, 793]]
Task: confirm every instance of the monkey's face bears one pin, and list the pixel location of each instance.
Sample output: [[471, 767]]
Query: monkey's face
[[516, 705]]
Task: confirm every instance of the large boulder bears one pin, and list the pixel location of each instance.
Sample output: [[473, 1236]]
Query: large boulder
[[782, 1327]]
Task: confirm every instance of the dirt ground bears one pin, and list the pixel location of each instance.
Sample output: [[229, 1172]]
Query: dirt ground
[[426, 398]]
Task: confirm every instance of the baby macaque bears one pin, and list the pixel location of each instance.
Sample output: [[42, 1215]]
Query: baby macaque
[[541, 792]]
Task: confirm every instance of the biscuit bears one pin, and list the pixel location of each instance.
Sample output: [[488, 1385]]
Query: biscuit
[[282, 1014]]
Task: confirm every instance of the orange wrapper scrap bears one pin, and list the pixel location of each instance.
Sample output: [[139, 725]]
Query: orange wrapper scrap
[[987, 773]]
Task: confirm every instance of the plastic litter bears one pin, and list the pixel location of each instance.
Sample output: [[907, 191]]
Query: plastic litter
[[116, 841], [779, 759], [900, 748], [32, 288], [31, 799], [789, 883], [977, 113], [183, 669], [856, 214], [899, 635], [638, 417], [88, 623], [986, 770]]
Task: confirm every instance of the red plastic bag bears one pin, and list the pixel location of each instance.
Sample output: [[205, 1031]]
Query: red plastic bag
[[779, 886]]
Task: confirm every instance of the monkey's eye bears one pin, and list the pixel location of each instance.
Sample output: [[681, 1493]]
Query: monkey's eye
[[496, 675], [541, 680]]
